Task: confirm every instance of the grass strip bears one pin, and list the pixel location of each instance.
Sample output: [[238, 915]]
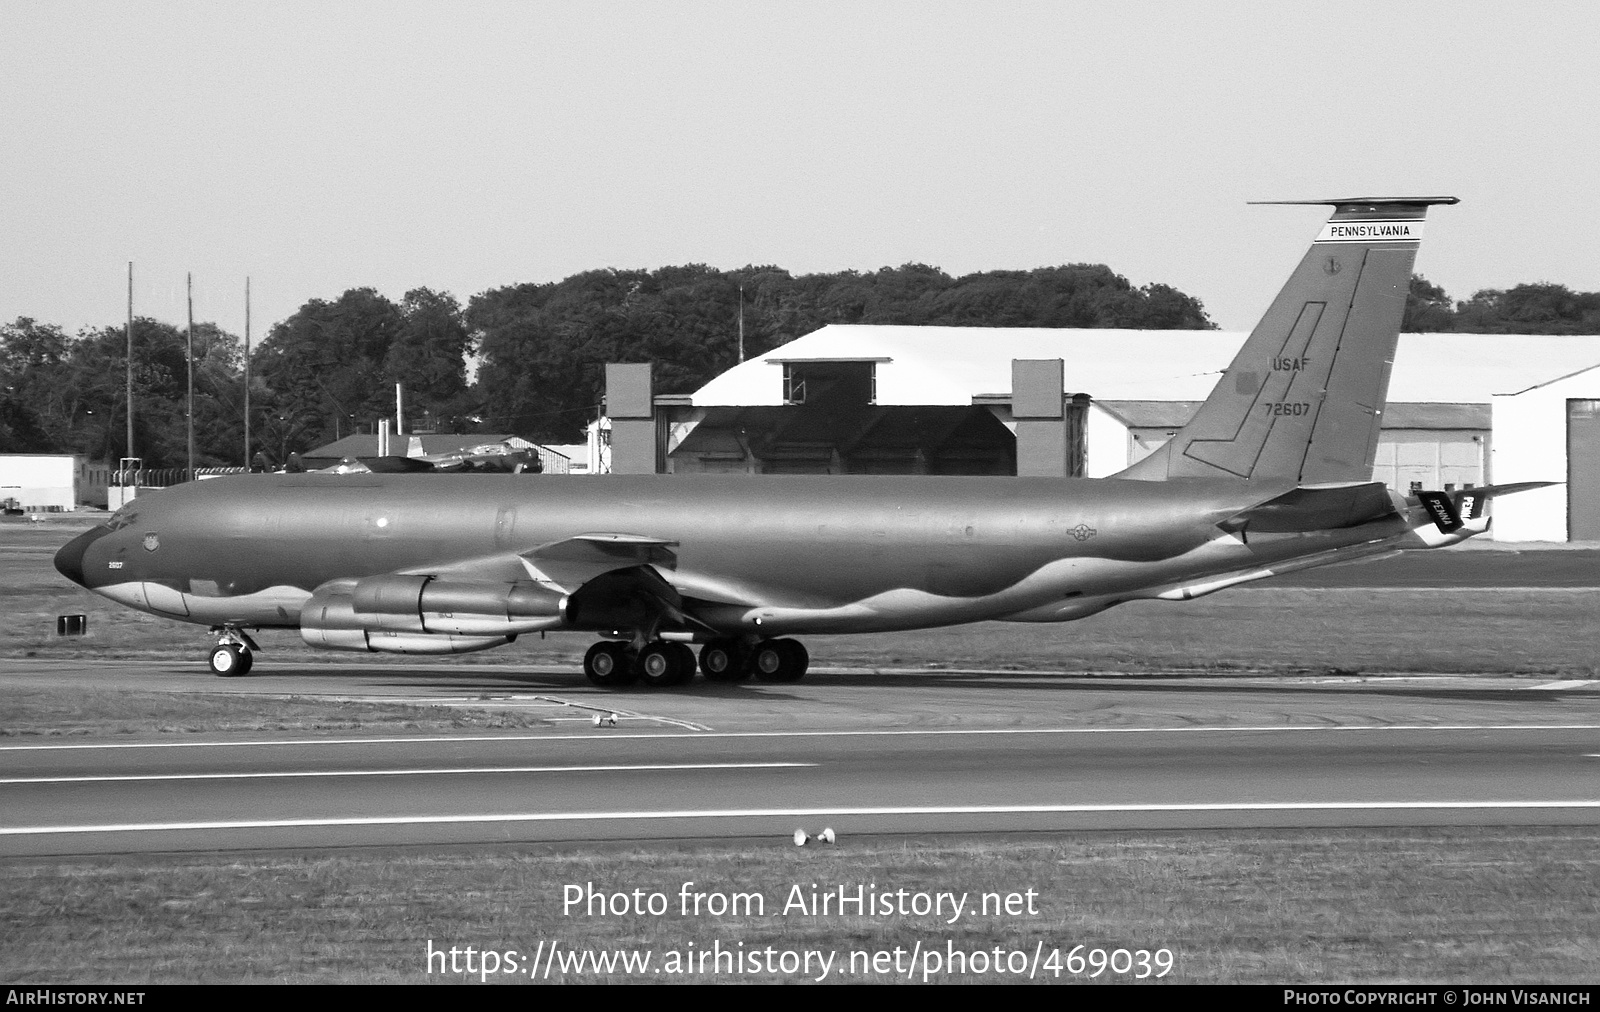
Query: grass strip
[[28, 715], [1463, 905]]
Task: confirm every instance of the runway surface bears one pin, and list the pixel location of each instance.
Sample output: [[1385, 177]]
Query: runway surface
[[887, 753]]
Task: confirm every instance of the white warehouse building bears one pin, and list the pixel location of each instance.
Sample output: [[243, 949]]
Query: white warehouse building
[[1463, 409]]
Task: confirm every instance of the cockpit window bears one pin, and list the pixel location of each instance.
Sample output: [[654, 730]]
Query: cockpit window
[[120, 519]]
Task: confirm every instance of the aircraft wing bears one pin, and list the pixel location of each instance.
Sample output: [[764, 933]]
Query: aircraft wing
[[625, 575], [632, 578], [597, 581], [486, 457], [569, 564], [1315, 508]]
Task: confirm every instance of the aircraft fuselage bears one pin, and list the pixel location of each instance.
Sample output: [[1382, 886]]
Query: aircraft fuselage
[[802, 553]]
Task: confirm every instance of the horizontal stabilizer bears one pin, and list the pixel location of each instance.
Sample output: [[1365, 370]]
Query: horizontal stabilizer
[[1371, 201], [1469, 502], [1451, 511], [1315, 508]]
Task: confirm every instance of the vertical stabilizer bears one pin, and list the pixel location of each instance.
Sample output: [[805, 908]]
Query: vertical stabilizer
[[1303, 399]]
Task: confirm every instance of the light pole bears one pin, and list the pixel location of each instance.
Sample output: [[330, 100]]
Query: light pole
[[189, 355]]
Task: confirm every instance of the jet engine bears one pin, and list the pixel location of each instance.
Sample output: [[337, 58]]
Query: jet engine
[[425, 614]]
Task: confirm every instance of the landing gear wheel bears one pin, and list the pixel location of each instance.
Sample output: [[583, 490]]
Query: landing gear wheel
[[608, 665], [230, 660], [686, 663], [800, 655], [661, 665], [723, 660], [780, 661]]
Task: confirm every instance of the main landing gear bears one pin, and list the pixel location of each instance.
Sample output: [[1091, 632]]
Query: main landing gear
[[235, 654], [612, 664], [731, 660]]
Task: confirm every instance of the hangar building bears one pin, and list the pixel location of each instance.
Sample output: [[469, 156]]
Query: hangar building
[[1464, 409], [51, 482]]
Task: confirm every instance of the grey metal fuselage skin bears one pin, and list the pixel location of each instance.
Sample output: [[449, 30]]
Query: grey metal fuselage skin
[[749, 555]]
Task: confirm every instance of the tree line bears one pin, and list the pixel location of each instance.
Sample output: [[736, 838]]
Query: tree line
[[327, 370], [543, 346], [1525, 309], [330, 369]]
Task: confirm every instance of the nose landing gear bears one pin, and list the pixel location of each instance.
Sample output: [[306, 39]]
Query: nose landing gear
[[235, 654]]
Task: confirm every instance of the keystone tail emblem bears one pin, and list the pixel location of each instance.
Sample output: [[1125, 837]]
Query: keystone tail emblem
[[151, 542]]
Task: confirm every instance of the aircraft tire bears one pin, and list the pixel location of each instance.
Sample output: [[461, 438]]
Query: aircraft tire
[[686, 662], [247, 660], [800, 655], [660, 665], [782, 660], [229, 660], [723, 660], [608, 665]]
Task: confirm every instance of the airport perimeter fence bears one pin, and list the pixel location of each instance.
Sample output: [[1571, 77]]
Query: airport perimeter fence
[[166, 477]]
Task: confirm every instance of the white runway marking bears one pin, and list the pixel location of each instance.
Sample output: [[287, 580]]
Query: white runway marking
[[889, 732], [734, 813], [406, 773], [1574, 683], [517, 701]]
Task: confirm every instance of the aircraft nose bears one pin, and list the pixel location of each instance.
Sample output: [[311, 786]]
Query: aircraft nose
[[69, 560]]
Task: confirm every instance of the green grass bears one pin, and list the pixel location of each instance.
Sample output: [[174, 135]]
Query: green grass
[[1485, 905], [69, 712]]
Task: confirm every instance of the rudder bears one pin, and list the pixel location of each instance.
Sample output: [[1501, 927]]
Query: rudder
[[1303, 399]]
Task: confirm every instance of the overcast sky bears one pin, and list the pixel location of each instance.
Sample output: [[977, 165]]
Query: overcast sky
[[318, 147]]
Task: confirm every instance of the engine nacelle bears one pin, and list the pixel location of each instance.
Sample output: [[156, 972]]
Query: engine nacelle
[[425, 615]]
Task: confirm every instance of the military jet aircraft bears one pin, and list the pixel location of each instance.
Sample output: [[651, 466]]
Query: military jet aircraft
[[1272, 475], [485, 458]]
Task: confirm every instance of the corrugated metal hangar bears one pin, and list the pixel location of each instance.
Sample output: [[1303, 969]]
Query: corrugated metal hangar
[[1464, 409]]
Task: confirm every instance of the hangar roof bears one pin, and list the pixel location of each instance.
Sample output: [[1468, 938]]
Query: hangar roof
[[952, 365]]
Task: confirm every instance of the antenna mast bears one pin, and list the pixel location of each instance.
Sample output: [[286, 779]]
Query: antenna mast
[[129, 452], [189, 354], [247, 374]]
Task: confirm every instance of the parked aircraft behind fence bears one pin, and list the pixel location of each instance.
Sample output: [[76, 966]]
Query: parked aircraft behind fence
[[1272, 475]]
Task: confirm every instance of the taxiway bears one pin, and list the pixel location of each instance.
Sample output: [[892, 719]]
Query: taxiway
[[891, 752]]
